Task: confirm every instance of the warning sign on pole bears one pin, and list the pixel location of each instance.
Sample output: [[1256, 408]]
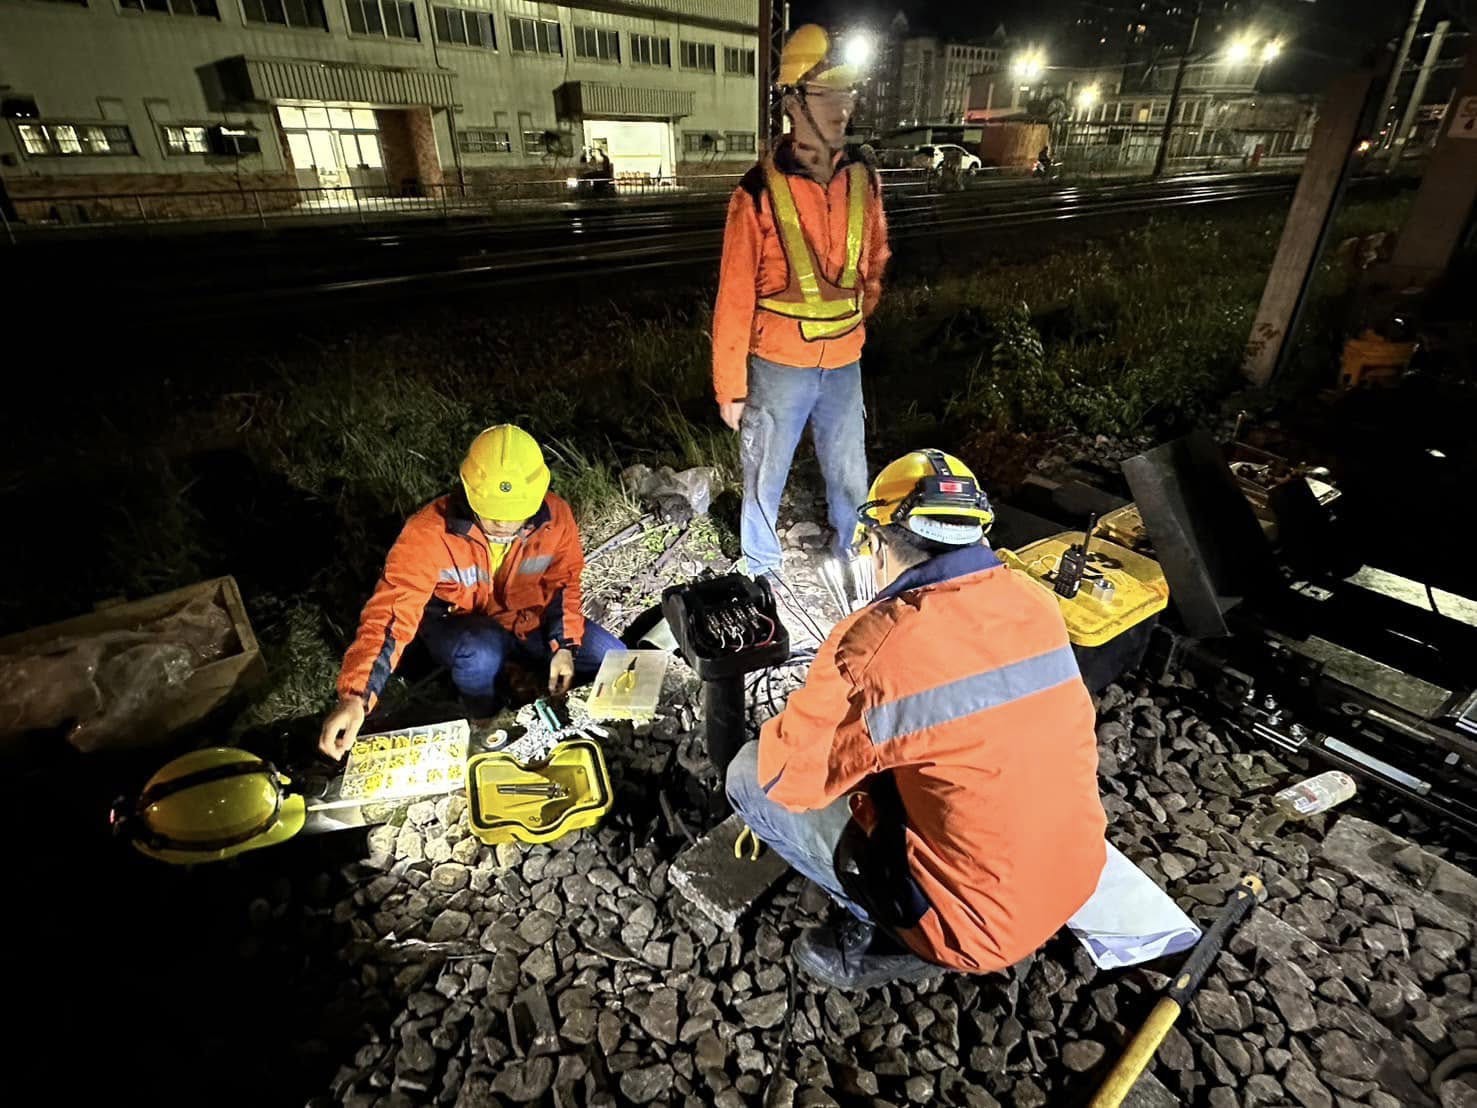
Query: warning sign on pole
[[1464, 118]]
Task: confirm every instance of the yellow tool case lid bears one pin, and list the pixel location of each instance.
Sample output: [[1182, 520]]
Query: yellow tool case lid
[[507, 800], [1137, 590]]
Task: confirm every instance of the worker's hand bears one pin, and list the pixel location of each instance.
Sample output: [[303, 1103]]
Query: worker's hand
[[561, 672], [341, 728], [731, 412]]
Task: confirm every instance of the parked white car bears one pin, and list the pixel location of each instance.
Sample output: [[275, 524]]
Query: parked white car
[[932, 157]]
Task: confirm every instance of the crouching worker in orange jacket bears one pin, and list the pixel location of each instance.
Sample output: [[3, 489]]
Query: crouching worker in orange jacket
[[937, 774], [489, 572]]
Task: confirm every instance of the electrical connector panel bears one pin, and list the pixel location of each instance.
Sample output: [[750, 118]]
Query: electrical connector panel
[[726, 626]]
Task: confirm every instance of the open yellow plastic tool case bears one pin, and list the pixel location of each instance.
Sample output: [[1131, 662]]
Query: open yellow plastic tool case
[[507, 800]]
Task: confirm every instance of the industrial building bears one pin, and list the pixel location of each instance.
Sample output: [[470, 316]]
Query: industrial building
[[395, 97]]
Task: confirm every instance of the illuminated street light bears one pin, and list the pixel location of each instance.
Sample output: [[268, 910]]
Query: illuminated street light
[[1028, 66], [1087, 97], [1239, 52], [1270, 50], [859, 49]]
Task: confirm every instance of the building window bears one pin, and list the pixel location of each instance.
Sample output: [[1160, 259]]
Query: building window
[[325, 137], [601, 46], [535, 36], [738, 62], [461, 27], [547, 144], [173, 7], [651, 50], [484, 140], [286, 13], [186, 140], [699, 142], [45, 140], [390, 18], [1158, 112], [740, 142], [700, 55]]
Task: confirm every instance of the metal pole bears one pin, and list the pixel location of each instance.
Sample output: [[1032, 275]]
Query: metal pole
[[256, 198], [1397, 70], [1417, 94], [9, 231], [766, 71], [1174, 95]]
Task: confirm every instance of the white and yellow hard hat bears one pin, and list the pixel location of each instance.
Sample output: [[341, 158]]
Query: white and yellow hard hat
[[932, 494], [811, 56]]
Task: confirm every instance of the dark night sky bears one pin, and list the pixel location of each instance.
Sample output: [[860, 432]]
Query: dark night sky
[[1326, 32]]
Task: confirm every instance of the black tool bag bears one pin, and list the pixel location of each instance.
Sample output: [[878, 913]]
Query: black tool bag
[[874, 868]]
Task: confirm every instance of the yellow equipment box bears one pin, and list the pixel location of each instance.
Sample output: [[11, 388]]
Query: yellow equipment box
[[1113, 615], [1135, 586], [507, 800]]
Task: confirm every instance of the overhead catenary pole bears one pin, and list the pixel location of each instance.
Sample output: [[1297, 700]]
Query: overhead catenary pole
[[1397, 70], [774, 22], [766, 71], [1417, 94], [1174, 96], [1305, 231]]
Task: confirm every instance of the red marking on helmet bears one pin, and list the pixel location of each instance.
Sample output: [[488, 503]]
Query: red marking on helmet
[[951, 486]]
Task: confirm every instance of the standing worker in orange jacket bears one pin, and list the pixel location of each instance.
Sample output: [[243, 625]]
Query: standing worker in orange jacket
[[937, 774], [803, 253], [490, 571]]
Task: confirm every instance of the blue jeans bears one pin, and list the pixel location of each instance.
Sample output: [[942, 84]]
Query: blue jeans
[[781, 400], [807, 840], [474, 648]]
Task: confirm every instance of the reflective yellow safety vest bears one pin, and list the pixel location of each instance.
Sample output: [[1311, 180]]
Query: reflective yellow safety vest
[[825, 310]]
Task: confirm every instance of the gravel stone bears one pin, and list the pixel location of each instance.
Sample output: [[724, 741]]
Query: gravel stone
[[644, 1086], [1082, 1055], [449, 925]]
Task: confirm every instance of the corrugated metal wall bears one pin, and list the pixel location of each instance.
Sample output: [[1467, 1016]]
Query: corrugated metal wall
[[277, 79], [621, 100], [735, 11]]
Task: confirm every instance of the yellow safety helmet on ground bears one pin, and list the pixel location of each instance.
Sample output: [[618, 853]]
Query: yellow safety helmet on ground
[[811, 57], [505, 475], [210, 805], [932, 494]]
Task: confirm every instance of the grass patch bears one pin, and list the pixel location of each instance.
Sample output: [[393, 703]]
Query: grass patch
[[334, 444]]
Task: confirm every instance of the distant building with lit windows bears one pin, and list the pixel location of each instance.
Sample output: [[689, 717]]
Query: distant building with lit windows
[[123, 96]]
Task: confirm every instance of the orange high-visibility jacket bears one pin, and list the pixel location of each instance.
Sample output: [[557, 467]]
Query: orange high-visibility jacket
[[754, 267], [440, 566], [960, 680]]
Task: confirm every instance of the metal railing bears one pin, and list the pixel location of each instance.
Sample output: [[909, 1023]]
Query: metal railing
[[363, 204]]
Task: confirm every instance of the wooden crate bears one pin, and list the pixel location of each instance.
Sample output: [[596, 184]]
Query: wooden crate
[[208, 686]]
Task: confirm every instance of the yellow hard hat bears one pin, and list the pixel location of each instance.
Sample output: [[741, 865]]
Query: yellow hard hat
[[504, 474], [809, 59], [932, 494], [210, 805]]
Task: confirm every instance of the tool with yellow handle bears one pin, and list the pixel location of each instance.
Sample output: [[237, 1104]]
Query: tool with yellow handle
[[1140, 1051]]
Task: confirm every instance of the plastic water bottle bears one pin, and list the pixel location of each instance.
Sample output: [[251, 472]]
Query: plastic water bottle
[[1315, 795]]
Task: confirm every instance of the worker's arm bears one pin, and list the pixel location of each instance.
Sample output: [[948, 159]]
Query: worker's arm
[[564, 619], [877, 251], [733, 313], [391, 618], [817, 749]]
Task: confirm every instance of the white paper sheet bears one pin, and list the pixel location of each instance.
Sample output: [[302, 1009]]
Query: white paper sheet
[[1129, 919]]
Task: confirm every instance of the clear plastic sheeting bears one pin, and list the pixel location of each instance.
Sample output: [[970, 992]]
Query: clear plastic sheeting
[[131, 683], [676, 497], [110, 687]]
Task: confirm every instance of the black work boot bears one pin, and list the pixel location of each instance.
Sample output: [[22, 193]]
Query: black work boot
[[855, 955]]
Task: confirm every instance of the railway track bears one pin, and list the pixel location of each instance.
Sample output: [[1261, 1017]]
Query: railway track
[[247, 270]]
